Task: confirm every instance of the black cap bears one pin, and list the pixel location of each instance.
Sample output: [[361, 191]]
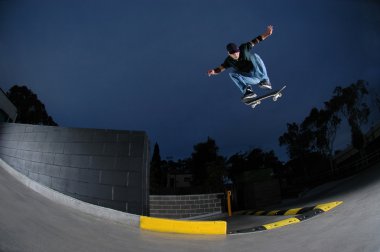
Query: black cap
[[232, 48]]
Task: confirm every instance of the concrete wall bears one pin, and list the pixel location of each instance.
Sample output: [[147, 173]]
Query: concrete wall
[[109, 168], [184, 206]]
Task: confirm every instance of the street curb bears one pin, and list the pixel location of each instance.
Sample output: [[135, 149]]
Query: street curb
[[183, 227]]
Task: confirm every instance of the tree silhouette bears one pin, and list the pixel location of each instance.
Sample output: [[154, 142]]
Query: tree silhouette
[[156, 174], [350, 102], [297, 140], [310, 144], [253, 160], [30, 109], [318, 130], [207, 166]]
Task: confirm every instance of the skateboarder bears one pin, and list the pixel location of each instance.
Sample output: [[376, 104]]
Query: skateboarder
[[248, 69]]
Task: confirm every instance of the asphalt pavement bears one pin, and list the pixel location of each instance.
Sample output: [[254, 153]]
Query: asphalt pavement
[[32, 222]]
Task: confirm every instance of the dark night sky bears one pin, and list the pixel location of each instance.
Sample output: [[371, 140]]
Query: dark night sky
[[142, 64]]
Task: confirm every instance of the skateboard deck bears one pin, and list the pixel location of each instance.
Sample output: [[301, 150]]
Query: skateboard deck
[[257, 100]]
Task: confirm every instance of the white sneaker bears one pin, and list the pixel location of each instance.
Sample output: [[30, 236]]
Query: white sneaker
[[249, 94], [265, 84]]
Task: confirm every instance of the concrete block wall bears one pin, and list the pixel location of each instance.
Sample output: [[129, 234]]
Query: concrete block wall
[[109, 168], [184, 206]]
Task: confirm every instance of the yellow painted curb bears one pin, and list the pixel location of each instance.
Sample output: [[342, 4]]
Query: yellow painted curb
[[183, 227], [281, 223]]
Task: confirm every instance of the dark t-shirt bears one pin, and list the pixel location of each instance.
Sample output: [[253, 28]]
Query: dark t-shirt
[[243, 64]]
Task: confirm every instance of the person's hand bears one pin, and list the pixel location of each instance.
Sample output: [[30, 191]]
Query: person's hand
[[211, 72], [269, 30]]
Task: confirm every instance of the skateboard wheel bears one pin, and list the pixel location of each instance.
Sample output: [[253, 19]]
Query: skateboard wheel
[[255, 104], [277, 96]]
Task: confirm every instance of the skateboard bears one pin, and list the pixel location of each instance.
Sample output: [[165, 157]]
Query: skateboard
[[257, 100]]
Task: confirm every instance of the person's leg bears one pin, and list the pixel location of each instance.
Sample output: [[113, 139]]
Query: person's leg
[[242, 81], [260, 71]]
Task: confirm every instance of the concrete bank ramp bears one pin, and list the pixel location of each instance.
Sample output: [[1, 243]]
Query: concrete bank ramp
[[32, 222]]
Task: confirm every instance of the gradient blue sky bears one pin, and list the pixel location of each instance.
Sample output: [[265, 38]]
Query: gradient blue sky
[[142, 64]]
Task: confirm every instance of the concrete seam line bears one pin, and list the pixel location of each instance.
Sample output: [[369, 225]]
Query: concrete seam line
[[183, 227], [99, 211]]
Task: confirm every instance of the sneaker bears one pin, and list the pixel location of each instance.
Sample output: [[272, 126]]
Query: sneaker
[[249, 94], [265, 84], [248, 88]]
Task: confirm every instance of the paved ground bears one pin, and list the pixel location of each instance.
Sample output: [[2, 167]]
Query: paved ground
[[31, 222]]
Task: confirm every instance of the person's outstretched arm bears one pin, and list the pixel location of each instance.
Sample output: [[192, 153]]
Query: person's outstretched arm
[[216, 70], [263, 36]]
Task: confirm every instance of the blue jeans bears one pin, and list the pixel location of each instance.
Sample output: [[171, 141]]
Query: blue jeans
[[259, 73]]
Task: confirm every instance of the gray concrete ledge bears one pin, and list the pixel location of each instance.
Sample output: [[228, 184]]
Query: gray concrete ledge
[[98, 211]]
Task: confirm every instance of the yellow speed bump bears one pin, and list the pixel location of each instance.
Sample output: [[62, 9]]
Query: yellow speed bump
[[183, 227], [293, 211], [328, 206], [273, 213], [258, 213], [281, 223]]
